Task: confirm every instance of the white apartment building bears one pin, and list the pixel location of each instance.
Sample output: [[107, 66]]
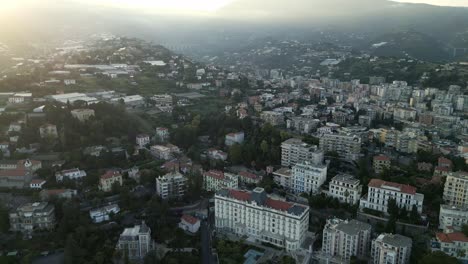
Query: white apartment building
[[347, 146], [294, 150], [161, 152], [102, 214], [234, 138], [391, 249], [343, 239], [171, 186], [456, 189], [274, 118], [82, 114], [381, 191], [308, 177], [142, 140], [162, 133], [282, 177], [452, 216], [72, 174], [136, 241], [214, 180], [345, 188], [261, 218]]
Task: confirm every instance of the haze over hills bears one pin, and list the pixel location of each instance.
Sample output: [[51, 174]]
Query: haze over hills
[[241, 20]]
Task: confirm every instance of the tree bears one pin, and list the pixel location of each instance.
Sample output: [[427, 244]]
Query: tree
[[392, 208], [235, 154], [414, 215], [4, 219], [438, 257]]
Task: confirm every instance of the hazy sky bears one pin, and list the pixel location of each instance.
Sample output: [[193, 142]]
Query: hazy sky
[[203, 6]]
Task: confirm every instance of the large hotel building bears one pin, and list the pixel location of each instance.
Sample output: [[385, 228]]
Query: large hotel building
[[261, 218]]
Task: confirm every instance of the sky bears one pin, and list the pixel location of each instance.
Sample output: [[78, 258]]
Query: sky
[[183, 6]]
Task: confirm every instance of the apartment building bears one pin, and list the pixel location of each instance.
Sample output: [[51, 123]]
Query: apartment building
[[381, 191], [234, 138], [347, 146], [308, 177], [294, 150], [456, 189], [380, 163], [452, 216], [173, 185], [343, 239], [274, 118], [48, 131], [302, 125], [108, 179], [391, 249], [162, 133], [136, 241], [32, 216], [214, 180], [345, 188], [261, 218], [283, 177], [82, 114], [142, 140], [71, 174], [102, 214]]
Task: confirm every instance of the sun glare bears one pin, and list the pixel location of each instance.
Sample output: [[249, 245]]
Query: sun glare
[[174, 5]]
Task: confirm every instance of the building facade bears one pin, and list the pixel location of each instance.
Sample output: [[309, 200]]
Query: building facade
[[171, 186], [294, 150], [347, 146], [391, 249], [343, 239], [108, 179], [261, 218], [31, 216], [308, 177], [381, 191], [214, 180], [345, 188], [452, 216], [136, 241], [456, 189]]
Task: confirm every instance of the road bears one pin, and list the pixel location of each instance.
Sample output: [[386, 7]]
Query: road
[[207, 254]]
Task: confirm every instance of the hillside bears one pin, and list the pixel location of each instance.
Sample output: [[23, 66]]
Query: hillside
[[410, 44]]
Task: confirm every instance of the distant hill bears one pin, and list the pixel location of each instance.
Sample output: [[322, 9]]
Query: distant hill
[[409, 44]]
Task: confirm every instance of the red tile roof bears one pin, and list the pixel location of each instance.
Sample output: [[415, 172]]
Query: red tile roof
[[38, 181], [444, 162], [13, 173], [215, 174], [239, 195], [189, 219], [377, 183], [452, 237], [249, 175], [110, 174], [381, 158], [442, 168], [278, 205], [55, 191]]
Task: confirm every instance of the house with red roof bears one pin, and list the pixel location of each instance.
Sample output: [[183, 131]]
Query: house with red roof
[[214, 180], [381, 162], [381, 191], [454, 244], [249, 177], [110, 178], [189, 223]]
